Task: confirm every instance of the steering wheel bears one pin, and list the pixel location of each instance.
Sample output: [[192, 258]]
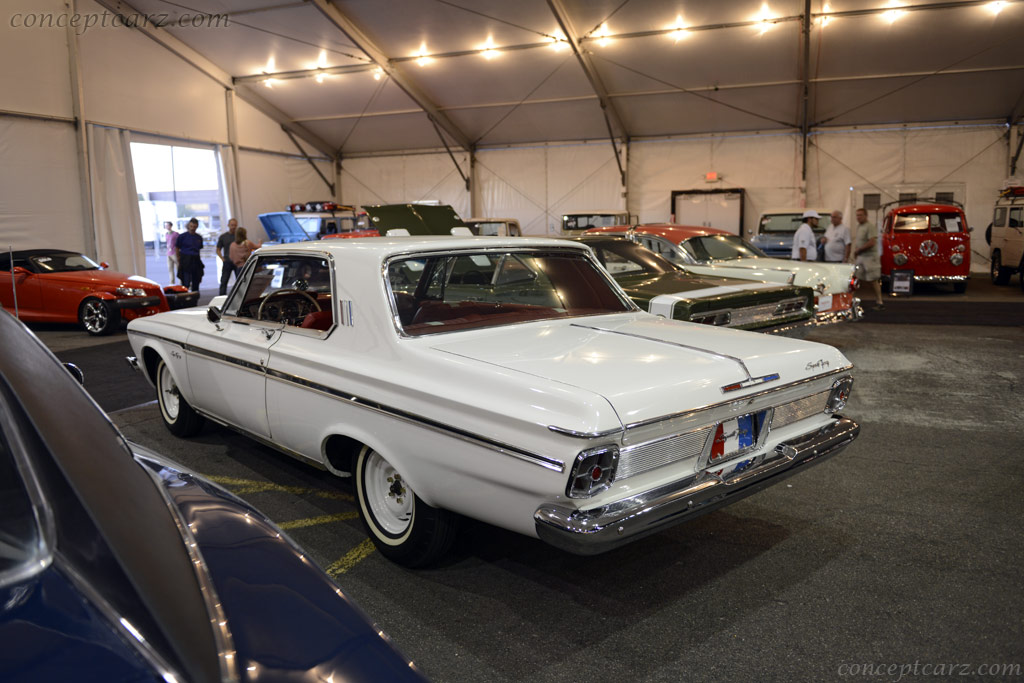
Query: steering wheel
[[281, 292]]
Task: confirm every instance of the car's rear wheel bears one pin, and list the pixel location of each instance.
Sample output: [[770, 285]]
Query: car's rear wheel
[[999, 275], [98, 317], [404, 529], [179, 417]]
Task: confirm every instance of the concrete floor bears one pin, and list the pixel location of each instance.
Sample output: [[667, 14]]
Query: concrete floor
[[905, 548]]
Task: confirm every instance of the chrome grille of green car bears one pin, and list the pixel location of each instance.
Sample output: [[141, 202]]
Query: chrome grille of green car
[[794, 411], [645, 457]]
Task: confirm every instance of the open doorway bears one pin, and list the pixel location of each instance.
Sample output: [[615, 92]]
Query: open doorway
[[176, 184]]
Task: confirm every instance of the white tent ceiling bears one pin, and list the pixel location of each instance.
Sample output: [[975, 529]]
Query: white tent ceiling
[[739, 66]]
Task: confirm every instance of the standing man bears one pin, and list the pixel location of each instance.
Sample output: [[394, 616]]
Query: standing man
[[837, 240], [865, 251], [227, 266], [190, 246], [171, 240], [803, 241]]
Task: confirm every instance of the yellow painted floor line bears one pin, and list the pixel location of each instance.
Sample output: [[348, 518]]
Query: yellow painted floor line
[[322, 519], [244, 486], [351, 559]]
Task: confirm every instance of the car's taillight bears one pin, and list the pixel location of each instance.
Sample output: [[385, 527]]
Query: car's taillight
[[593, 471], [841, 389]]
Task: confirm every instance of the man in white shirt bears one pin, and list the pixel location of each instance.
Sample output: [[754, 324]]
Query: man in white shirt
[[837, 240], [803, 240]]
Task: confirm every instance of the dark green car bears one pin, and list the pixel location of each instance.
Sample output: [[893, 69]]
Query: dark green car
[[660, 287]]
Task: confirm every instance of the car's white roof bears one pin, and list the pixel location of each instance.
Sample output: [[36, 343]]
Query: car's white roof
[[385, 246]]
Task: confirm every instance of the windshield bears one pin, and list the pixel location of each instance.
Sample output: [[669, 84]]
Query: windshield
[[785, 223], [63, 262], [721, 248], [928, 222], [581, 221], [477, 290], [622, 257]]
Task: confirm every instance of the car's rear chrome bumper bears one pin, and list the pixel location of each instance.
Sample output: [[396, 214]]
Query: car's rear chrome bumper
[[588, 532]]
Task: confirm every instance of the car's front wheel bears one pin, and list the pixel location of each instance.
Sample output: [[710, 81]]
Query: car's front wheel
[[179, 417], [98, 317], [999, 275], [404, 529]]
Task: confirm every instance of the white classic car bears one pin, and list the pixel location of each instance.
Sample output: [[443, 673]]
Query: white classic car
[[710, 251], [505, 379]]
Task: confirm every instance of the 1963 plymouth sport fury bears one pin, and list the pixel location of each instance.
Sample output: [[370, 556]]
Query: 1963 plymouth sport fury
[[505, 379]]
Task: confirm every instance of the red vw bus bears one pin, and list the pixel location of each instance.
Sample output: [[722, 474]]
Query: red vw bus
[[932, 240]]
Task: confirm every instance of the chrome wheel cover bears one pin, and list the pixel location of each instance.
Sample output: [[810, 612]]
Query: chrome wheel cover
[[169, 396], [389, 498], [94, 315]]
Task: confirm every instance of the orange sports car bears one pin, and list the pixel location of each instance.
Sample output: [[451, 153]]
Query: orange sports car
[[53, 285]]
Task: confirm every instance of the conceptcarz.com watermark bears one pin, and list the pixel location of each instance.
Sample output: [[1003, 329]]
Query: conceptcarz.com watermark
[[83, 21], [898, 672]]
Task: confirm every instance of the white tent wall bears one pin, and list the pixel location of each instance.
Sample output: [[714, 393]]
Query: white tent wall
[[923, 159], [767, 167], [537, 184], [270, 182], [257, 132], [513, 183], [41, 201], [411, 178], [36, 78]]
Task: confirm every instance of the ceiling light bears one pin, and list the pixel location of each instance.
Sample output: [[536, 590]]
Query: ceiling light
[[270, 66], [678, 29], [602, 34], [825, 20], [378, 73], [322, 59], [487, 49], [423, 57], [764, 19], [893, 14], [268, 83], [320, 77], [557, 40], [996, 7]]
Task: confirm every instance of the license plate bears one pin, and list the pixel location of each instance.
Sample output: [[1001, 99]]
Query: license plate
[[825, 302], [736, 435]]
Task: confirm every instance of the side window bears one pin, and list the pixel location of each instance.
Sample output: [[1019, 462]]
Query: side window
[[617, 264], [293, 290], [514, 271], [1016, 220], [999, 217]]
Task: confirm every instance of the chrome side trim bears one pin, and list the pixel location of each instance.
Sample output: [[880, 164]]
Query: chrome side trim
[[698, 349], [584, 435], [128, 633], [149, 335], [940, 278], [752, 382], [596, 530], [224, 358], [412, 418], [226, 653], [351, 399]]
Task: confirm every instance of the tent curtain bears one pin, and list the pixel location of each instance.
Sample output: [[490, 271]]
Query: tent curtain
[[115, 201], [230, 197]]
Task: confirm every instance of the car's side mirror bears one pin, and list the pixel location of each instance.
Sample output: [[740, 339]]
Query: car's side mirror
[[970, 229], [104, 265], [214, 310], [20, 271]]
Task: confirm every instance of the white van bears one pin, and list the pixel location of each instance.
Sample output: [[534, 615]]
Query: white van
[[1007, 236]]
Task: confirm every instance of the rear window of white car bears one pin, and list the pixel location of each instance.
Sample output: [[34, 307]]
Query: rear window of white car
[[451, 292]]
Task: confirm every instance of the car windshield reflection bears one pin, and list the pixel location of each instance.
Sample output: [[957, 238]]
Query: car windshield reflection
[[478, 290], [62, 263]]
